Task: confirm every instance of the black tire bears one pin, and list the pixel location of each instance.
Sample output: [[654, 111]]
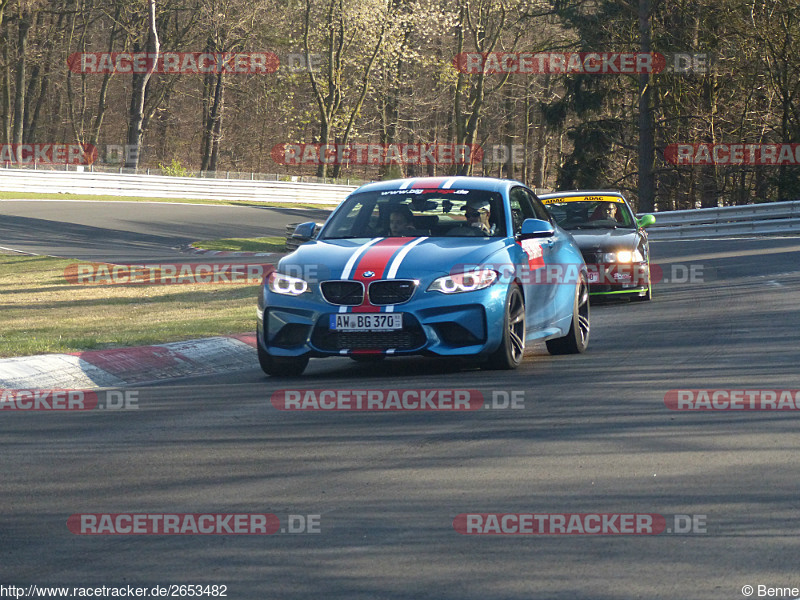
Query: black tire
[[577, 338], [281, 366], [512, 348]]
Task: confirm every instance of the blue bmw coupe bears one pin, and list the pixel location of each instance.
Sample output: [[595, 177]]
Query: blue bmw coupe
[[440, 266]]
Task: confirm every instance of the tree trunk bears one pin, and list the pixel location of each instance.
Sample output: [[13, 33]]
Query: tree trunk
[[508, 137], [646, 145], [101, 101], [19, 96], [360, 102], [390, 115], [6, 92], [205, 141], [139, 92], [526, 140], [709, 192], [33, 122], [328, 104], [3, 4], [214, 124]]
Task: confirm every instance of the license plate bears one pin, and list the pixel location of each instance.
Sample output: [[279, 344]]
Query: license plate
[[366, 322]]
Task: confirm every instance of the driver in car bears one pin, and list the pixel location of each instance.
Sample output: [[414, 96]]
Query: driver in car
[[478, 213], [606, 211]]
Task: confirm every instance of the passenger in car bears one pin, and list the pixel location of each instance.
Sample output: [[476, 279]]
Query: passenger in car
[[401, 223]]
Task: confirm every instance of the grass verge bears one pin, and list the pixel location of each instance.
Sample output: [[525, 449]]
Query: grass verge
[[40, 312], [263, 244]]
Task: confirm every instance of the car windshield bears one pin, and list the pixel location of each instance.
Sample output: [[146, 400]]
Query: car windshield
[[590, 212], [418, 212]]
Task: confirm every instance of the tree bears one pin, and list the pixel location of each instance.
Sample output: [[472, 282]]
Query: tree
[[342, 29], [646, 148], [140, 80]]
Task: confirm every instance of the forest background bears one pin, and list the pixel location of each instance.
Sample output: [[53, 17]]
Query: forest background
[[383, 72]]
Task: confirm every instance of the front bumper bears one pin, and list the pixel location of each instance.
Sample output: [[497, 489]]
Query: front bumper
[[465, 324], [611, 279]]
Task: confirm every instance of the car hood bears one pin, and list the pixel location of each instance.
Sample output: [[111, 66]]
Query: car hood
[[605, 239], [409, 257]]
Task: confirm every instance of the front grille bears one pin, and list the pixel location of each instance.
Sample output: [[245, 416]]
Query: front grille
[[374, 340], [410, 337], [346, 293], [391, 291]]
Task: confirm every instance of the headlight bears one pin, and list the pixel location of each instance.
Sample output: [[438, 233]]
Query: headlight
[[286, 285], [464, 282], [623, 256]]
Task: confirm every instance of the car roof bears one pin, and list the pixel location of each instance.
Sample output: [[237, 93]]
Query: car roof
[[489, 184], [582, 193]]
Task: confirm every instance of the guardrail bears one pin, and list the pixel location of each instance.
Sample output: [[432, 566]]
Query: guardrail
[[159, 186], [772, 218]]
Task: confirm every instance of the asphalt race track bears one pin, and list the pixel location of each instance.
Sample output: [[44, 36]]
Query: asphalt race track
[[134, 231], [593, 436]]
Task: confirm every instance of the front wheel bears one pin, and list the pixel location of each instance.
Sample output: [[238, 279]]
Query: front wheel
[[577, 338], [281, 366], [512, 347]]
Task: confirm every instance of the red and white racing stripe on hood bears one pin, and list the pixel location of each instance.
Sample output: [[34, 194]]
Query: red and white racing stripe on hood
[[382, 258]]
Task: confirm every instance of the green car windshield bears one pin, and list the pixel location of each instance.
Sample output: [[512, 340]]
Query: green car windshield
[[590, 214]]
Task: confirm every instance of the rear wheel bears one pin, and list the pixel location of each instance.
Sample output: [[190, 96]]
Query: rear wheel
[[281, 366], [577, 338], [512, 347]]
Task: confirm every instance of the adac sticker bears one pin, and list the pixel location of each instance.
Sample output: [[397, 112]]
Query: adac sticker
[[559, 200]]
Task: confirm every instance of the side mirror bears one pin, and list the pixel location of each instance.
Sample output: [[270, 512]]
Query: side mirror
[[305, 232], [535, 228], [647, 220]]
